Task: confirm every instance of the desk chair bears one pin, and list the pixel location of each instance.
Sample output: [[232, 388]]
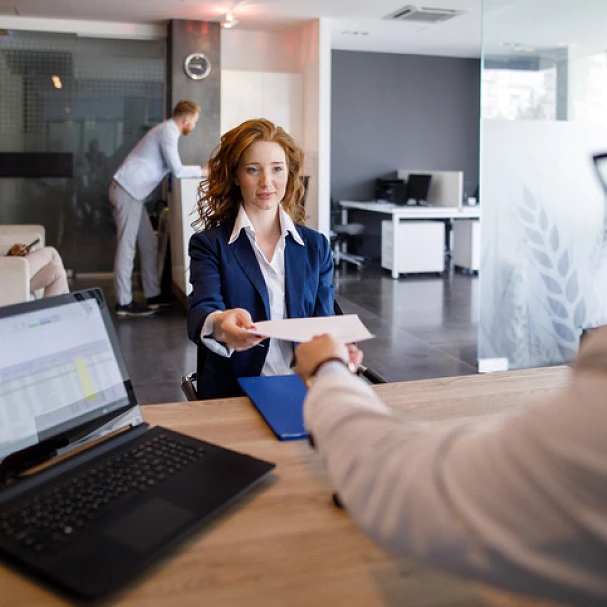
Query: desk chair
[[341, 234], [189, 381]]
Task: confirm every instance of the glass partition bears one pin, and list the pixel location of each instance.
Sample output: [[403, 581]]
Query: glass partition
[[543, 276], [90, 98]]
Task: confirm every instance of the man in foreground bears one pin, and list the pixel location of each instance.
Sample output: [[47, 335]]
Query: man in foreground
[[519, 502]]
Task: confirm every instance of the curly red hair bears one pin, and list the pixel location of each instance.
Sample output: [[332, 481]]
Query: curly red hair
[[219, 197]]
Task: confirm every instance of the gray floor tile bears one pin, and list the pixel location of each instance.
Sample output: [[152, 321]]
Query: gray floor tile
[[425, 327]]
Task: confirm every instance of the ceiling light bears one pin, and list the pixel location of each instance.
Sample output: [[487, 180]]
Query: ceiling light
[[229, 21], [56, 82]]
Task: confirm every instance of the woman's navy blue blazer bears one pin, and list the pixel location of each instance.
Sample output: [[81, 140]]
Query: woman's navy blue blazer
[[227, 276]]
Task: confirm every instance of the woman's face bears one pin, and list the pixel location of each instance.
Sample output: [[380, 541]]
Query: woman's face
[[262, 176]]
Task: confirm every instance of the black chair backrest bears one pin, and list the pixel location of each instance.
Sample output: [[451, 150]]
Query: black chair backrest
[[201, 356]]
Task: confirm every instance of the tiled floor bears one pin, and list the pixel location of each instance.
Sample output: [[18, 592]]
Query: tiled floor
[[425, 327]]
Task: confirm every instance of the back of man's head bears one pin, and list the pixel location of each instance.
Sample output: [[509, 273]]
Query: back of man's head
[[185, 108]]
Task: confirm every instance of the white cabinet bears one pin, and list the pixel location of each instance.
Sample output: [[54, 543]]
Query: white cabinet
[[421, 246], [276, 96], [182, 212], [467, 244]]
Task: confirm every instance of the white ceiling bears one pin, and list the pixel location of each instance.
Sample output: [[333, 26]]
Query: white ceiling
[[536, 23], [459, 37]]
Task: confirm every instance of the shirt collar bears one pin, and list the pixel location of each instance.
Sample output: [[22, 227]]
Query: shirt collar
[[244, 223]]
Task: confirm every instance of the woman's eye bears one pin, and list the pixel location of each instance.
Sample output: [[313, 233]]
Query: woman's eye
[[251, 170], [278, 169]]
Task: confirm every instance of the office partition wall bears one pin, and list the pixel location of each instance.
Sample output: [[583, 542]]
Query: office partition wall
[[75, 106], [543, 275]]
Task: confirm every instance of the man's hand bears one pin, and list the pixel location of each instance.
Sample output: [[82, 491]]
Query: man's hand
[[17, 250], [309, 356], [231, 329]]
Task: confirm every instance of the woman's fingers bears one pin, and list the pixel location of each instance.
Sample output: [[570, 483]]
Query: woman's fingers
[[235, 325], [243, 318]]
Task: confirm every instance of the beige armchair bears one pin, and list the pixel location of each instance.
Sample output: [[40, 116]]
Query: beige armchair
[[14, 271]]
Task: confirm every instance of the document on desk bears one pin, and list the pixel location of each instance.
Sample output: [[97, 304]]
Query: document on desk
[[347, 328]]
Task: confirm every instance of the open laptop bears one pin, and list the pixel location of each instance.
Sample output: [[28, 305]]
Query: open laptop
[[89, 493]]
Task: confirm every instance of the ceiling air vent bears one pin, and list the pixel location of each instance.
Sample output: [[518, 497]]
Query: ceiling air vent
[[423, 14]]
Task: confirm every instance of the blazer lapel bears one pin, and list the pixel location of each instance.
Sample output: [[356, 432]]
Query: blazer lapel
[[295, 277], [246, 258]]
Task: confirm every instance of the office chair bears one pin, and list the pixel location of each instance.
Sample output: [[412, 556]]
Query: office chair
[[189, 381], [341, 234]]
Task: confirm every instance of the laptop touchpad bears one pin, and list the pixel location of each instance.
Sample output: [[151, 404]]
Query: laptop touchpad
[[149, 525]]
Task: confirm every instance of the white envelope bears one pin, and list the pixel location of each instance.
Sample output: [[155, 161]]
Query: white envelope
[[347, 328]]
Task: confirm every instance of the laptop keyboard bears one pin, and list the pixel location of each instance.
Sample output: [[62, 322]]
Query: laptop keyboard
[[56, 515]]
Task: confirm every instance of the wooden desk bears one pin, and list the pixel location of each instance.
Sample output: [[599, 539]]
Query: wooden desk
[[285, 544], [404, 212]]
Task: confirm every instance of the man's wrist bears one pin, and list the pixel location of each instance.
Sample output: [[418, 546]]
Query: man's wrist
[[320, 365], [337, 359]]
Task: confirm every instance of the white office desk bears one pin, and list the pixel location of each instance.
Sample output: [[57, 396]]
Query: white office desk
[[403, 212]]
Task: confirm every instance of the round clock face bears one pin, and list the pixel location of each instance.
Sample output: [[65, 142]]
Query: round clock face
[[197, 66]]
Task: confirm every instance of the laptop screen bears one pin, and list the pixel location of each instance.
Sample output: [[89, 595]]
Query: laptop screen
[[58, 369]]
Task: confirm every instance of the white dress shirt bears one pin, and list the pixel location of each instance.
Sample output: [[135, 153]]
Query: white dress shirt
[[156, 155], [519, 502], [280, 353]]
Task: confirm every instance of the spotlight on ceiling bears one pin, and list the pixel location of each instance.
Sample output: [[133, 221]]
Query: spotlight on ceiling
[[229, 21]]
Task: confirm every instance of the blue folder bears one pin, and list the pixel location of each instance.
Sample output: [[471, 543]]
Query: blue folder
[[279, 399]]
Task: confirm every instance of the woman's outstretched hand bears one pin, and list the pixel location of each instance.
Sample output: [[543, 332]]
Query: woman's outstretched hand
[[231, 328]]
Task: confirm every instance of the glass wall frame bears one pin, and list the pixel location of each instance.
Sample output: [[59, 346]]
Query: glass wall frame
[[543, 277]]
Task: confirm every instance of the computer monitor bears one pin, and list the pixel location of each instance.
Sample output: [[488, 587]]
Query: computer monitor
[[391, 190], [417, 188]]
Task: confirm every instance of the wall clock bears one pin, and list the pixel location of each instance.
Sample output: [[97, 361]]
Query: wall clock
[[197, 66]]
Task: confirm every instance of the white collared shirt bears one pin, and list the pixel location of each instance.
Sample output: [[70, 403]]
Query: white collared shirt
[[152, 159], [280, 353]]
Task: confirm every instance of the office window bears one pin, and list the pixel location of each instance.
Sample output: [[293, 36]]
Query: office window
[[519, 94]]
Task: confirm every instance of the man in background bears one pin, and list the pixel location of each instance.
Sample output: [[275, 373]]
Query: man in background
[[155, 156]]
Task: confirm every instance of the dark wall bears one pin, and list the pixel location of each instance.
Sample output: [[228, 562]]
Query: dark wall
[[393, 112], [184, 38]]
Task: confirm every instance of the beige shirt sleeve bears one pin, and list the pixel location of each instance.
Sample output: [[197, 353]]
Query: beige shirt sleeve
[[520, 502]]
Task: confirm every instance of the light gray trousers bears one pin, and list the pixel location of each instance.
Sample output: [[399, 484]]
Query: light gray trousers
[[133, 227]]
